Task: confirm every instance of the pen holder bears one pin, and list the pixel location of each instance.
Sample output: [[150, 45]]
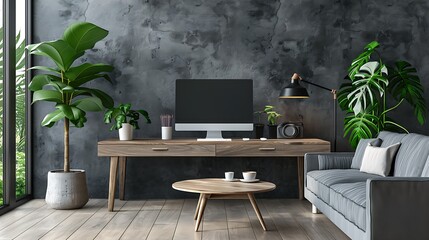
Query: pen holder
[[166, 133]]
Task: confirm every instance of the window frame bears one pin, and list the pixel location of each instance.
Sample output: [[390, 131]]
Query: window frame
[[10, 200]]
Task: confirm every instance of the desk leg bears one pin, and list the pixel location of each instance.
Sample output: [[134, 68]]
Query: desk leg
[[300, 161], [122, 173], [112, 182]]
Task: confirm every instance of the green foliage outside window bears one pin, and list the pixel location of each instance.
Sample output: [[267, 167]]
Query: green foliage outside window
[[20, 116]]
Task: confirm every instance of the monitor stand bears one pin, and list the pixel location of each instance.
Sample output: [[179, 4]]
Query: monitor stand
[[214, 136]]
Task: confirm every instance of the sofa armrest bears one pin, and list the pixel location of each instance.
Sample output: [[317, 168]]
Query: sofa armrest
[[397, 208], [326, 160]]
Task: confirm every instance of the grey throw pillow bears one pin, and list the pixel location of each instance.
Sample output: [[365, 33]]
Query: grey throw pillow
[[360, 150]]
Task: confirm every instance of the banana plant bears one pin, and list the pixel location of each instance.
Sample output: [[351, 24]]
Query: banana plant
[[363, 95], [63, 84]]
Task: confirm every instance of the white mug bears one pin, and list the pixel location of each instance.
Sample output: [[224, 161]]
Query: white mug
[[229, 175], [249, 175], [166, 133]]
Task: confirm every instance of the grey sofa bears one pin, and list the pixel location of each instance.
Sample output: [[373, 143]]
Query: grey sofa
[[367, 206]]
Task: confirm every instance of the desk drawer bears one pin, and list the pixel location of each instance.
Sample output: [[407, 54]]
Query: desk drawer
[[268, 150], [249, 150], [165, 150]]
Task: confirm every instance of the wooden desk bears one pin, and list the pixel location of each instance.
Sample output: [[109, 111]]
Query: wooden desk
[[118, 151]]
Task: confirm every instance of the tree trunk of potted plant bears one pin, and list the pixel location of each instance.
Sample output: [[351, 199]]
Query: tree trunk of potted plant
[[67, 188]]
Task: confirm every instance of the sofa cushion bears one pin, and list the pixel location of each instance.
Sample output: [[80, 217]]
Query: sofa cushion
[[390, 138], [360, 150], [349, 199], [412, 156], [319, 181]]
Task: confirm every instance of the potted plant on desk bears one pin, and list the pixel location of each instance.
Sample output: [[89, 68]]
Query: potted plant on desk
[[62, 85], [125, 119], [272, 116]]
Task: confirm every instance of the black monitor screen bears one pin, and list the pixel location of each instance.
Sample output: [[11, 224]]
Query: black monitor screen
[[214, 101]]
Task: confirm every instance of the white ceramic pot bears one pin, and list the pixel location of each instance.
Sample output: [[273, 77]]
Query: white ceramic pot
[[66, 190], [126, 132], [166, 133]]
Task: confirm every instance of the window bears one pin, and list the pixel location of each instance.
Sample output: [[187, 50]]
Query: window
[[14, 99]]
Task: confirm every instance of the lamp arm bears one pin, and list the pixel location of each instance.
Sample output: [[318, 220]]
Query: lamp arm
[[333, 91]]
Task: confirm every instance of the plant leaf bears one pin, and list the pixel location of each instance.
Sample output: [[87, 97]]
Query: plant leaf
[[66, 109], [60, 52], [53, 117], [90, 104], [404, 83], [360, 126], [367, 87], [47, 95], [106, 100], [87, 69], [145, 115], [83, 35], [363, 58]]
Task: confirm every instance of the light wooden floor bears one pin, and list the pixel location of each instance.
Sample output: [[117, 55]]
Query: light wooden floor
[[168, 219]]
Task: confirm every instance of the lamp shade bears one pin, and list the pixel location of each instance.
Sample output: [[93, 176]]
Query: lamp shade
[[294, 90]]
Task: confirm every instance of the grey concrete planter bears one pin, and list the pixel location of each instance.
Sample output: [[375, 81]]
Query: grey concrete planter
[[66, 190]]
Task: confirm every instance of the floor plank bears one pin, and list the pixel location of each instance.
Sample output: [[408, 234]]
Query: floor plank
[[169, 219], [66, 228], [186, 222], [21, 225], [20, 212], [96, 223]]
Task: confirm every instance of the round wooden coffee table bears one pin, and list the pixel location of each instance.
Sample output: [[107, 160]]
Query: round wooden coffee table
[[217, 188]]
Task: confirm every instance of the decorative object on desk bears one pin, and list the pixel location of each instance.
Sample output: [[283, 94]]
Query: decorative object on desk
[[166, 126], [364, 96], [272, 116], [258, 128], [290, 130], [63, 85], [295, 90], [125, 119]]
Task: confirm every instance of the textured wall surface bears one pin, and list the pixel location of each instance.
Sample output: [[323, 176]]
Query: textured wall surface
[[152, 43]]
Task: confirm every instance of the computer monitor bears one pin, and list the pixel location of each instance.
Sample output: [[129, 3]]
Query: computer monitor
[[214, 105]]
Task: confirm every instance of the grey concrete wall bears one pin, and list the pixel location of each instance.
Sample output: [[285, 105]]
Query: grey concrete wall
[[152, 43]]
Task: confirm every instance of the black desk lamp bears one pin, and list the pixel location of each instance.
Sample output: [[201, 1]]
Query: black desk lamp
[[295, 90]]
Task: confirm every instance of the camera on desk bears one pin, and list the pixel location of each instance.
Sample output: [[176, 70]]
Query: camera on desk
[[290, 130]]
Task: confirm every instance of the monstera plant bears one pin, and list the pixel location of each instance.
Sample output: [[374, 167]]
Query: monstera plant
[[64, 86], [367, 95]]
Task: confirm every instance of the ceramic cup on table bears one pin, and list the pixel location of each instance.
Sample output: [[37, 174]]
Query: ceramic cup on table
[[249, 175], [229, 176]]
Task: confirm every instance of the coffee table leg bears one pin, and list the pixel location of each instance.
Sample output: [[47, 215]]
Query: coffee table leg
[[255, 207], [198, 206], [204, 198]]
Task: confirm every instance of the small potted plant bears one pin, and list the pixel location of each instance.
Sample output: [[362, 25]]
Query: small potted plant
[[125, 119], [259, 126], [272, 116]]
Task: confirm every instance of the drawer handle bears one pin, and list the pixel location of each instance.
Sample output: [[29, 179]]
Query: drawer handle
[[159, 149], [267, 149]]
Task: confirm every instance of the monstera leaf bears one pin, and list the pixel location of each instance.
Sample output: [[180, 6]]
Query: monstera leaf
[[405, 84], [368, 86], [362, 59], [360, 126]]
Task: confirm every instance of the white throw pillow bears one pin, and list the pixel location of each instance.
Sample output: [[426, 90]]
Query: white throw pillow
[[378, 160]]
